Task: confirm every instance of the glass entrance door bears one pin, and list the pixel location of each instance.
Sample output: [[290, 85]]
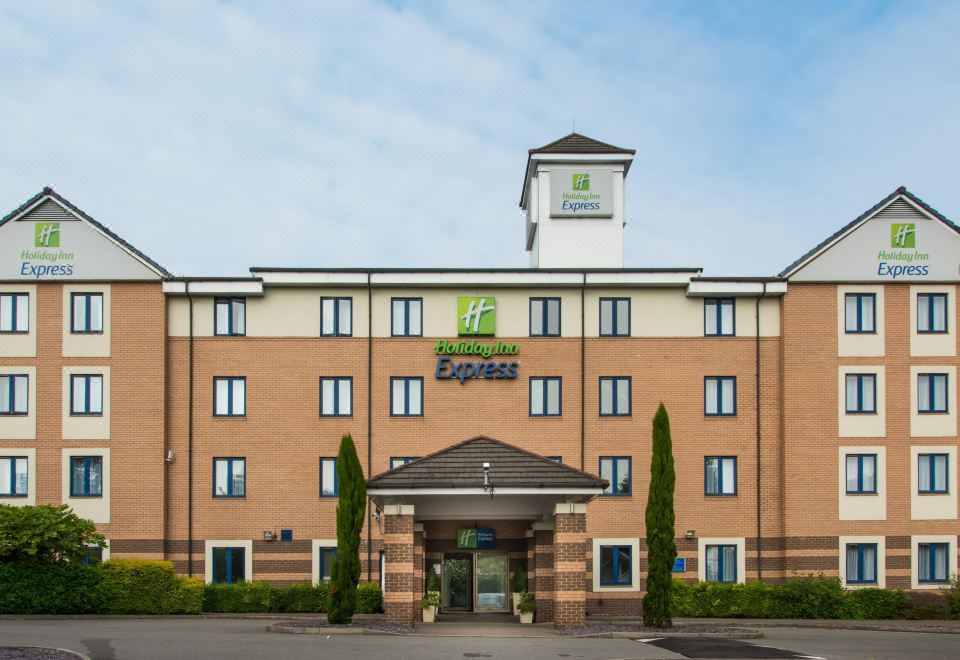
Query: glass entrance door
[[457, 582], [492, 572]]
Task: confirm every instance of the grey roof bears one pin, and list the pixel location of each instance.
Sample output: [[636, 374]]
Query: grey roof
[[902, 190], [461, 466], [580, 144], [50, 192]]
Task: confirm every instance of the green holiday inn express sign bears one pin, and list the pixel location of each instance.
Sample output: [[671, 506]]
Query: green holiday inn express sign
[[476, 316]]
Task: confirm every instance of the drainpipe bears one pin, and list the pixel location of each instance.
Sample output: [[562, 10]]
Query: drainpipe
[[186, 288], [369, 417], [757, 359], [583, 366]]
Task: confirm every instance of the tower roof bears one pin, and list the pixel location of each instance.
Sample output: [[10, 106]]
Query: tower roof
[[580, 144]]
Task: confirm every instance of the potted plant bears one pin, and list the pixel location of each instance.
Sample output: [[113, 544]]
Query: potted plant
[[518, 584], [527, 607], [433, 586], [429, 605]]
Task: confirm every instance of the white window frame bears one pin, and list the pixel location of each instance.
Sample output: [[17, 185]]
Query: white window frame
[[316, 546], [247, 545], [634, 544], [741, 544], [881, 543]]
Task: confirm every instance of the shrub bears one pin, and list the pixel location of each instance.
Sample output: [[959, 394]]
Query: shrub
[[370, 598], [518, 583], [878, 603], [813, 597], [58, 588], [186, 597], [661, 547], [240, 597], [351, 512], [953, 597], [527, 603], [44, 534], [301, 598], [136, 586]]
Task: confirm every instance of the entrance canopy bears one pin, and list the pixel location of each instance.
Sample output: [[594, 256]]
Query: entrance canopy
[[484, 478]]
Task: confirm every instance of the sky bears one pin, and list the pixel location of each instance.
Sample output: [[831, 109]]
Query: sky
[[216, 136]]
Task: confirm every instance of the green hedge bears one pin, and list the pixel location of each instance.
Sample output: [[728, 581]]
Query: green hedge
[[369, 598], [138, 586], [59, 588], [806, 597], [263, 597]]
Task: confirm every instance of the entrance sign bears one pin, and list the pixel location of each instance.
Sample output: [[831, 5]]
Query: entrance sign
[[479, 538], [581, 193]]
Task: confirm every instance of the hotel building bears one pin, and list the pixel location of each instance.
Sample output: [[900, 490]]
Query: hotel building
[[502, 416]]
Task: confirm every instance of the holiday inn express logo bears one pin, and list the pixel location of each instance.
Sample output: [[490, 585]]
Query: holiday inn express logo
[[581, 181], [903, 235], [46, 234], [476, 316]]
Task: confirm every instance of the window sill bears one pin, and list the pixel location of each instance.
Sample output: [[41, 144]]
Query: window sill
[[721, 495], [85, 496], [215, 416], [14, 332], [86, 332], [84, 414], [14, 414], [933, 412], [859, 493]]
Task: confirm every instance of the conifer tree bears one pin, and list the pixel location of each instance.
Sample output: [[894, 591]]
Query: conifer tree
[[661, 547], [352, 494]]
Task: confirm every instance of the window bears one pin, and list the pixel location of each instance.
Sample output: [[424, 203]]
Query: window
[[556, 459], [616, 470], [336, 397], [230, 317], [229, 396], [336, 317], [86, 313], [13, 394], [721, 563], [933, 562], [614, 317], [720, 395], [86, 476], [615, 396], [860, 316], [397, 461], [861, 563], [229, 565], [544, 317], [92, 554], [229, 477], [932, 393], [616, 567], [325, 563], [545, 397], [861, 393], [720, 475], [14, 312], [329, 482], [407, 317], [932, 313], [406, 397], [383, 571], [718, 317], [13, 476], [932, 473], [861, 474], [86, 394]]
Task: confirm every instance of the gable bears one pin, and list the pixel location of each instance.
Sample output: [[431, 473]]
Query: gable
[[899, 240], [49, 239]]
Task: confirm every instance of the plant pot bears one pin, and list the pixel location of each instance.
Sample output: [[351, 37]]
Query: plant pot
[[429, 613], [526, 617], [516, 602]]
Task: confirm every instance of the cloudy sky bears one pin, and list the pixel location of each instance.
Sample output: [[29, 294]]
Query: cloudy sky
[[217, 136]]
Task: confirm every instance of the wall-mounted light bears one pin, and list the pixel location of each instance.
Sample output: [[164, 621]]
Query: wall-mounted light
[[269, 536], [169, 456], [691, 533]]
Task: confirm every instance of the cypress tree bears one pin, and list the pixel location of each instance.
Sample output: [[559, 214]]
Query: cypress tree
[[661, 547], [352, 494]]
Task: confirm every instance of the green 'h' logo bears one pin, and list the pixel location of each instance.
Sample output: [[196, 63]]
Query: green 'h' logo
[[903, 235], [581, 181], [476, 316], [466, 537], [46, 234]]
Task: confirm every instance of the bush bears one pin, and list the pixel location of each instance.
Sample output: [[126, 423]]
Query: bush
[[953, 597], [60, 588], [240, 597], [186, 597], [878, 603], [813, 597], [302, 598], [44, 534], [369, 598], [136, 586]]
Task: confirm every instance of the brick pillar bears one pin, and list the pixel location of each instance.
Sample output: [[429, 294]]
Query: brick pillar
[[569, 565], [531, 568], [419, 586], [543, 569], [398, 545]]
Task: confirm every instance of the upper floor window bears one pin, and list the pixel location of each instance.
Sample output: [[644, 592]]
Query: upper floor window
[[544, 317], [861, 474], [720, 475], [336, 317], [718, 317], [397, 461], [407, 318], [13, 476], [720, 395], [933, 562], [615, 396], [614, 317], [86, 476], [229, 565], [86, 394], [336, 397], [861, 393], [406, 396], [932, 393], [860, 316], [230, 317], [229, 477], [861, 563], [86, 312], [616, 470], [14, 312], [229, 396], [545, 396], [932, 470], [932, 312], [13, 394], [329, 482], [616, 566], [721, 563]]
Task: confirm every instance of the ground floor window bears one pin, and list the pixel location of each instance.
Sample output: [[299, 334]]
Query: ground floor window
[[721, 563], [325, 563], [383, 571], [616, 566], [933, 562], [861, 563], [92, 555], [229, 565]]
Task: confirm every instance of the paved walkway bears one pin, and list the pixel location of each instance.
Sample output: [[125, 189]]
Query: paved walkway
[[468, 624]]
